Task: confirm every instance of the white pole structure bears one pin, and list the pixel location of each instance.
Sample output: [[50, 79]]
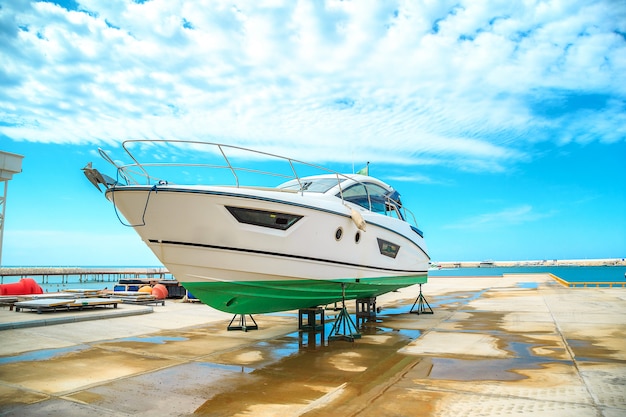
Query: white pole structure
[[10, 164]]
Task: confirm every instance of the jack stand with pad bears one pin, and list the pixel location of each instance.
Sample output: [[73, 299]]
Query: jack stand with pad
[[421, 304], [242, 323], [365, 310], [366, 307], [309, 330], [311, 322], [344, 323]]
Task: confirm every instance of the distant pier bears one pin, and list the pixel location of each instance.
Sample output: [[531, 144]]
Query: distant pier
[[71, 275], [542, 262]]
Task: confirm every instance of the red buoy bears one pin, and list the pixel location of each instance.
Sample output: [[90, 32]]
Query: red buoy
[[24, 286], [159, 291]]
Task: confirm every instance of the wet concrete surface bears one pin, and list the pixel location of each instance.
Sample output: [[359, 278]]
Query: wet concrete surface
[[512, 345]]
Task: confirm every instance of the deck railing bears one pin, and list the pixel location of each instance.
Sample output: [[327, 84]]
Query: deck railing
[[225, 157]]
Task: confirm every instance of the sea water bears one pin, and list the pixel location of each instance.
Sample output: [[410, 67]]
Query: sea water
[[570, 274], [55, 284], [59, 283]]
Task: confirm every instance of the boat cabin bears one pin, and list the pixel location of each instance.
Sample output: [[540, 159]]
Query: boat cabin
[[374, 196]]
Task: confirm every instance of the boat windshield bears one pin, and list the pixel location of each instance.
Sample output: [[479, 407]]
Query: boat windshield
[[375, 198], [315, 185]]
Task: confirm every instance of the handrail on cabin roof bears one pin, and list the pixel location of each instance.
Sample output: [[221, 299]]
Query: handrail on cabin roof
[[126, 171]]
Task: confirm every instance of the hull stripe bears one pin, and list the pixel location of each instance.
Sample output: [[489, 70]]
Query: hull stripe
[[283, 255]]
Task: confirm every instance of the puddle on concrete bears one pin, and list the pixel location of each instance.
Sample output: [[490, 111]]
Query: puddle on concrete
[[460, 298], [408, 333], [478, 320], [77, 368], [42, 355], [453, 299], [227, 368], [158, 340], [319, 338], [376, 326], [529, 285], [473, 370], [283, 350], [172, 391], [282, 375], [299, 368], [493, 369], [393, 311], [288, 375], [587, 351]]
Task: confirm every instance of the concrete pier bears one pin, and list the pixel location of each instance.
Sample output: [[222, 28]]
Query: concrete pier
[[69, 275], [518, 345]]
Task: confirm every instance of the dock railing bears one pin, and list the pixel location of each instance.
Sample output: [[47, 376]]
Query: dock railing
[[589, 284]]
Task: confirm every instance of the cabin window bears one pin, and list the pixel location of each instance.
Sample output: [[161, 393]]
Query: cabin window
[[372, 197], [369, 196], [356, 194], [271, 219]]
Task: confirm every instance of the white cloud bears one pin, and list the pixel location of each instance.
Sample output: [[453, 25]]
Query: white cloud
[[410, 82]]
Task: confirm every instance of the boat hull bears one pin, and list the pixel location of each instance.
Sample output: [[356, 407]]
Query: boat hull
[[245, 268], [249, 297]]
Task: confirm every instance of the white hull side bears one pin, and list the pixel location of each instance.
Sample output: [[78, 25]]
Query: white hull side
[[198, 239]]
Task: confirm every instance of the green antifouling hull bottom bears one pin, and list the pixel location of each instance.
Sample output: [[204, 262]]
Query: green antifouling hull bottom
[[252, 297]]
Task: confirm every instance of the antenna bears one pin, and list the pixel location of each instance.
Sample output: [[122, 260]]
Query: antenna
[[10, 164]]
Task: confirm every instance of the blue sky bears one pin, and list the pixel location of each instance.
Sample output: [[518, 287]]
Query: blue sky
[[502, 124]]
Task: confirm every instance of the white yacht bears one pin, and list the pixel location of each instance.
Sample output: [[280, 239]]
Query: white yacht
[[281, 242]]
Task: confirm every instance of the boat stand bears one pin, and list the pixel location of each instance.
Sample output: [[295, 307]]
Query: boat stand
[[311, 322], [344, 328], [366, 307], [243, 325], [365, 310], [312, 328], [421, 305]]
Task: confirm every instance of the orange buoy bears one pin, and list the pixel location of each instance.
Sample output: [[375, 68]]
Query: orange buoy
[[146, 288], [160, 291]]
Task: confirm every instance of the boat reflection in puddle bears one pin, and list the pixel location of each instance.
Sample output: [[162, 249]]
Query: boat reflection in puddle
[[296, 369]]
